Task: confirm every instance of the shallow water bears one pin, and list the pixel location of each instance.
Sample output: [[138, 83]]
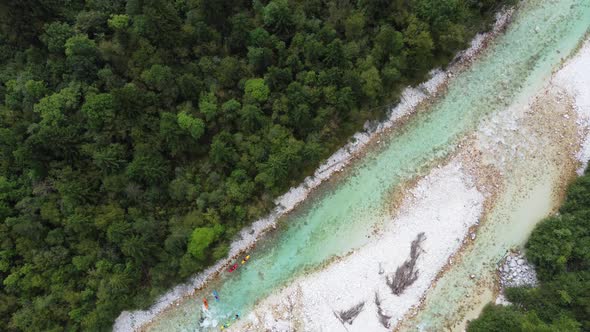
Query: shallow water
[[341, 215], [457, 296]]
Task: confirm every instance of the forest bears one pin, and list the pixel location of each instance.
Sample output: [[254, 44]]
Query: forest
[[559, 247], [137, 137]]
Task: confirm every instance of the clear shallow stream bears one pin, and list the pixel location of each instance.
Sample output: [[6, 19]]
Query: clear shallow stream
[[340, 216]]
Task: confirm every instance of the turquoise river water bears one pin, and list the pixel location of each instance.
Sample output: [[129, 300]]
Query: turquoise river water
[[341, 214]]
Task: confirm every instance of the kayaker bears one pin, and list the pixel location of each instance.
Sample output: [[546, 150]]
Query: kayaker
[[216, 295], [245, 259], [205, 303]]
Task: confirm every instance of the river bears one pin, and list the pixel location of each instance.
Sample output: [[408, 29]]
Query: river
[[342, 215]]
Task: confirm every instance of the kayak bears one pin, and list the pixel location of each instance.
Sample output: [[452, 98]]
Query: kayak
[[205, 303]]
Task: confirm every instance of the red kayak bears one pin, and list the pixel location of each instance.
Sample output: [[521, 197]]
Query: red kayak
[[233, 268]]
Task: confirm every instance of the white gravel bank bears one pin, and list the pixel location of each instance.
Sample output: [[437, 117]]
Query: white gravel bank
[[574, 78], [443, 205]]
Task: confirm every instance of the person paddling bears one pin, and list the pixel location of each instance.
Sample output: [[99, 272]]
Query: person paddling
[[245, 259], [216, 295], [205, 303]]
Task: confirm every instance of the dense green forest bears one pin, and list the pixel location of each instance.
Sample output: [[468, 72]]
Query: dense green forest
[[137, 137], [559, 247]]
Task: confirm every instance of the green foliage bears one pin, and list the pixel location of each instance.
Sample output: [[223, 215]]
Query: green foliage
[[100, 109], [201, 240], [82, 57], [256, 90], [419, 40], [371, 82], [80, 45], [278, 16], [194, 126], [387, 41], [497, 318], [55, 36], [55, 108], [208, 105], [118, 117], [118, 22], [158, 77], [147, 166], [354, 25], [559, 248]]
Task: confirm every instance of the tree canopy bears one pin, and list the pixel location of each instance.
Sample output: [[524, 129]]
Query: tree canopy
[[138, 137]]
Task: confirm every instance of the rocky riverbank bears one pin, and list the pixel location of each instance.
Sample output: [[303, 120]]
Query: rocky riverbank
[[516, 271]]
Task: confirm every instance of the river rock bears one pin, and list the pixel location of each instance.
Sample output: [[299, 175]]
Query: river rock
[[515, 271]]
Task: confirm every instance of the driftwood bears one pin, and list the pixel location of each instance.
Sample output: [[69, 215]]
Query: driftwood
[[383, 318], [406, 274], [349, 315]]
